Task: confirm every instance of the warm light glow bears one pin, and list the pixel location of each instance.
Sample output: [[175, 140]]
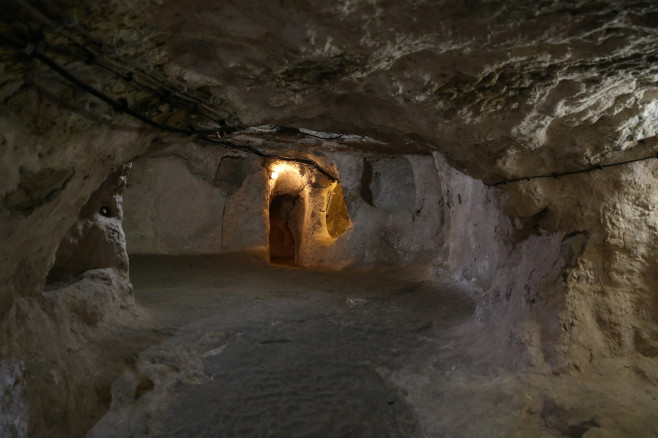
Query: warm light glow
[[280, 168], [337, 217]]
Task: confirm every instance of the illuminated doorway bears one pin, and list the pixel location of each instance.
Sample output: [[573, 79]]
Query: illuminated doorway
[[281, 239]]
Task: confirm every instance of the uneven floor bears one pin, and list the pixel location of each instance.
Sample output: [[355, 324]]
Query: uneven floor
[[254, 350]]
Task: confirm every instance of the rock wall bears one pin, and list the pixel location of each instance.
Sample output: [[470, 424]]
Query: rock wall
[[96, 240], [195, 200], [54, 384], [184, 201], [563, 269], [607, 222], [512, 267], [60, 213], [171, 211], [398, 226]]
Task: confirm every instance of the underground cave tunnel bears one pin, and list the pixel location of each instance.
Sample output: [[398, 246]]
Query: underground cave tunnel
[[466, 190]]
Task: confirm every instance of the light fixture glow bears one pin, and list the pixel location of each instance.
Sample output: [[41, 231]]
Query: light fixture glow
[[280, 169]]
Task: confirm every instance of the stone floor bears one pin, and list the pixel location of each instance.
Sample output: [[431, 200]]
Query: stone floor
[[254, 350]]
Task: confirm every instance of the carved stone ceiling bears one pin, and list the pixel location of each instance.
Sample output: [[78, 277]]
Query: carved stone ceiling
[[502, 88]]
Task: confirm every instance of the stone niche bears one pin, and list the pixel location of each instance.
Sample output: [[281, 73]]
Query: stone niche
[[231, 173], [337, 218], [388, 183], [96, 240]]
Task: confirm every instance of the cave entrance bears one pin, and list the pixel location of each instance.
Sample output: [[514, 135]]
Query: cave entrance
[[281, 239]]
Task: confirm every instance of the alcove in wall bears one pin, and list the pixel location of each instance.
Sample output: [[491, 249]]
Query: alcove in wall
[[337, 218], [95, 240]]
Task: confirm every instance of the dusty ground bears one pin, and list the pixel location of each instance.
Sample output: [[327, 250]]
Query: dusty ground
[[254, 350]]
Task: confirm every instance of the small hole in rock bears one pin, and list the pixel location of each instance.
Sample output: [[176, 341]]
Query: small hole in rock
[[105, 211]]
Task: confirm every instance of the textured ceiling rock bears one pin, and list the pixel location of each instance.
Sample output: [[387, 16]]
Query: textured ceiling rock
[[502, 88]]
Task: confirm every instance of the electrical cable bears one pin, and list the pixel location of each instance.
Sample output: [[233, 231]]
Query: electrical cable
[[131, 75], [599, 166], [121, 105], [252, 150]]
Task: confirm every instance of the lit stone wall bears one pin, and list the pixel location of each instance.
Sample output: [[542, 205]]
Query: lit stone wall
[[176, 205], [187, 200]]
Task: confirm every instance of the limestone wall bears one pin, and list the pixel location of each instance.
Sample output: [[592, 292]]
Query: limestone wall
[[563, 269], [171, 211], [399, 225], [58, 294], [183, 202]]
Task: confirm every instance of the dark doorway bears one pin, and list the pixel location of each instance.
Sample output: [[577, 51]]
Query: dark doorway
[[282, 240]]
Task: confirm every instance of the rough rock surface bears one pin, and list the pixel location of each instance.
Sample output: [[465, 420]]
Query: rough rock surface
[[53, 382], [268, 350], [170, 211], [177, 204], [563, 269], [96, 240], [301, 353], [502, 88]]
